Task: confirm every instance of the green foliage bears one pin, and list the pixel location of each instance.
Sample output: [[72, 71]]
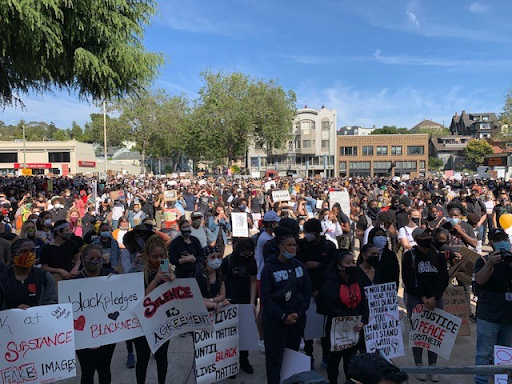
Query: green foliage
[[92, 46], [434, 132], [476, 150], [435, 163], [390, 130], [93, 131], [505, 116]]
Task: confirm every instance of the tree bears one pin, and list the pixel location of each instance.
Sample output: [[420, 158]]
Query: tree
[[92, 46], [475, 152], [76, 132], [93, 132], [390, 130], [435, 163]]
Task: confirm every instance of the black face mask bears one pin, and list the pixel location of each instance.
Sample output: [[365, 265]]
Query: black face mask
[[351, 271], [416, 220], [373, 260], [426, 243], [437, 244], [186, 232]]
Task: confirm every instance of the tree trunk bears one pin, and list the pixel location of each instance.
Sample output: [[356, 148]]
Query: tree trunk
[[143, 165]]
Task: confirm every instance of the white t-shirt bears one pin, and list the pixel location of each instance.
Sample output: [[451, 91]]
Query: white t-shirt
[[258, 252], [406, 232]]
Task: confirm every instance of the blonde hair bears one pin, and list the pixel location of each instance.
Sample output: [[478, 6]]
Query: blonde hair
[[151, 243], [68, 218]]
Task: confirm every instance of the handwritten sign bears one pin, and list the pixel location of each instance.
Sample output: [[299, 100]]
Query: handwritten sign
[[343, 335], [269, 185], [37, 345], [171, 309], [278, 196], [342, 198], [103, 308], [170, 195], [384, 330], [217, 351], [434, 330], [455, 302], [239, 224], [502, 356]]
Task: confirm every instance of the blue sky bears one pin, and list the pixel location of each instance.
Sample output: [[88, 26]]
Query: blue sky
[[378, 62]]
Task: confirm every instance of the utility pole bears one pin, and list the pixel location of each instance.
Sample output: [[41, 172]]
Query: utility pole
[[105, 134]]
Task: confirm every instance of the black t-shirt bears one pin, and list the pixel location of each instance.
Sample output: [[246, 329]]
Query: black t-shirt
[[106, 254], [59, 256], [21, 292], [177, 247], [492, 305], [237, 272], [323, 252], [208, 290]]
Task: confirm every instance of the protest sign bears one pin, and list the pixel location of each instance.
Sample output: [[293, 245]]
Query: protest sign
[[37, 345], [294, 362], [269, 185], [171, 309], [455, 302], [315, 327], [343, 335], [278, 196], [216, 351], [384, 330], [341, 197], [502, 356], [247, 328], [434, 330], [463, 269], [170, 195], [239, 225], [103, 308]]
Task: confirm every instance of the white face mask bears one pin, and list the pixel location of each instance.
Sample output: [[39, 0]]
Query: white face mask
[[215, 264], [47, 222]]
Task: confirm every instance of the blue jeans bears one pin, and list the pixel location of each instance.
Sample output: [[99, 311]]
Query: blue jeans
[[488, 335]]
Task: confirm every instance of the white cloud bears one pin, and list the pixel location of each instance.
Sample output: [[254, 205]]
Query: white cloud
[[413, 18], [478, 7], [414, 60]]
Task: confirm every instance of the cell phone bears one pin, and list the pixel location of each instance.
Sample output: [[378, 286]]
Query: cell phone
[[164, 265]]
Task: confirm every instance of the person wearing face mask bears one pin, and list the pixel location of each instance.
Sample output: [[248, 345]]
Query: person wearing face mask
[[122, 229], [200, 231], [405, 233], [44, 227], [110, 249], [387, 263], [219, 224], [239, 271], [88, 220], [210, 280], [23, 285], [57, 212], [342, 294], [94, 359], [28, 231], [75, 223], [185, 251], [136, 215], [367, 261], [286, 295], [61, 257], [461, 233], [425, 278], [316, 252], [501, 208], [493, 276], [331, 227]]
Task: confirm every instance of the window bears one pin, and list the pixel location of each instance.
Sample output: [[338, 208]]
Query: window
[[422, 164], [416, 150], [306, 143], [360, 165], [59, 157], [382, 151], [307, 126], [368, 150], [326, 124], [382, 165], [402, 165], [9, 157], [348, 151], [254, 161], [396, 150], [343, 166], [325, 143], [297, 144]]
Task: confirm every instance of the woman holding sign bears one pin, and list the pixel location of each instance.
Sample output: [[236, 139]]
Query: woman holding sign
[[425, 278], [153, 254], [342, 296]]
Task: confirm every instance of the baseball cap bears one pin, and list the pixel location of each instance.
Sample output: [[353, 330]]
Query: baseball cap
[[196, 215], [421, 231], [271, 216]]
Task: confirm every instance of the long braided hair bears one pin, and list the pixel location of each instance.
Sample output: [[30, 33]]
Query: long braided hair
[[152, 242]]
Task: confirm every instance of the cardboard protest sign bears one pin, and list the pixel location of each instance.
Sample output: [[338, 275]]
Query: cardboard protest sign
[[463, 269], [341, 197], [315, 324], [170, 195], [384, 330], [502, 356], [37, 345], [171, 309], [103, 308], [278, 196], [247, 328], [434, 330], [343, 335], [217, 351], [455, 302], [239, 225]]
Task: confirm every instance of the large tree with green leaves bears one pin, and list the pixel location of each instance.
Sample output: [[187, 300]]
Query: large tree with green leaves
[[93, 132], [91, 46], [390, 130], [475, 152]]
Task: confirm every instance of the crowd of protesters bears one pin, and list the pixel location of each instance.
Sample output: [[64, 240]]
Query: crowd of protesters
[[303, 247]]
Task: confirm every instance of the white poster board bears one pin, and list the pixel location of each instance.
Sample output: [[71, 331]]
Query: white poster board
[[269, 185], [249, 336], [315, 324], [278, 196], [341, 197], [434, 330], [171, 309], [103, 308], [294, 362], [255, 174], [239, 225], [37, 345], [343, 335], [216, 351], [384, 330], [502, 356]]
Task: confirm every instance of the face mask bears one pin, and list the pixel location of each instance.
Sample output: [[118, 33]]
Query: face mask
[[92, 266], [301, 227], [58, 206], [309, 237], [25, 260], [136, 210], [426, 243], [501, 245], [214, 264], [73, 219], [47, 223], [186, 232], [66, 236], [380, 242], [375, 209], [105, 233], [31, 232], [453, 220], [124, 228], [37, 213], [437, 244], [288, 255], [373, 260], [416, 220], [196, 223], [351, 271], [242, 207]]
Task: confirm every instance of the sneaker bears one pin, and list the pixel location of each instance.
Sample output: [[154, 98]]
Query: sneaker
[[433, 377], [420, 376], [247, 367], [130, 361], [472, 317], [323, 364], [261, 346]]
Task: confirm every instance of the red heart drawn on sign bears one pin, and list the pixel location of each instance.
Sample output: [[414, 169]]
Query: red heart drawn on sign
[[79, 323]]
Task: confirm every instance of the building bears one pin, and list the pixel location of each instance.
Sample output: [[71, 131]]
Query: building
[[356, 130], [310, 151], [383, 155], [476, 125], [427, 125], [450, 149]]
